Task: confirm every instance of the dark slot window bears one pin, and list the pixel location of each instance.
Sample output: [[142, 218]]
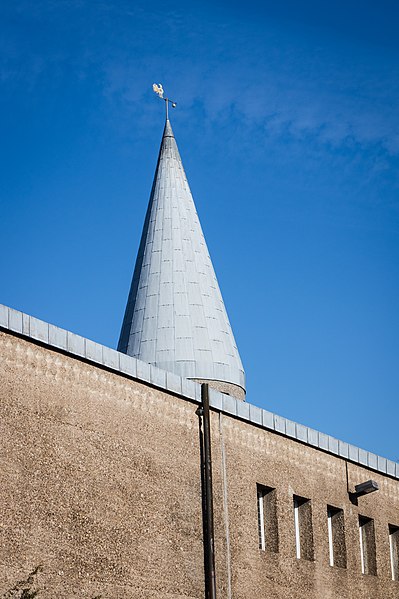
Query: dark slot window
[[336, 537], [303, 528], [267, 519], [394, 547], [367, 546]]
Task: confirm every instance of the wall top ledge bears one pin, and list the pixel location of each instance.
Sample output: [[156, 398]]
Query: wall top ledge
[[75, 345]]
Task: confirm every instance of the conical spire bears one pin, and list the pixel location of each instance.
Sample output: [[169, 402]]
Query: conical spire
[[175, 316]]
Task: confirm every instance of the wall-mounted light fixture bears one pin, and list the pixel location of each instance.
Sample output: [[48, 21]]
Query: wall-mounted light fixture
[[363, 489]]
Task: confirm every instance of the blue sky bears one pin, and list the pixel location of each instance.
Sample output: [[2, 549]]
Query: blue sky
[[288, 126]]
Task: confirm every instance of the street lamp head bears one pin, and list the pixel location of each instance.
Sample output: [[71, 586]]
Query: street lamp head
[[365, 488]]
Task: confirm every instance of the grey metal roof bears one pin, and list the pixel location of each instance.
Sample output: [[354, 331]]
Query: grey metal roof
[[77, 346], [175, 317]]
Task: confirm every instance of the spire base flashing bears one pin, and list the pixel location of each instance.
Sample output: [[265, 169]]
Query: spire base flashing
[[228, 388]]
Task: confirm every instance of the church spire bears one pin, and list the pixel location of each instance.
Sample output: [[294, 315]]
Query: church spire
[[175, 317]]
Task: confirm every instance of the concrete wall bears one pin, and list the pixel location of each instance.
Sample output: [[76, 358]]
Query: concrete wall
[[100, 486], [99, 481], [254, 456]]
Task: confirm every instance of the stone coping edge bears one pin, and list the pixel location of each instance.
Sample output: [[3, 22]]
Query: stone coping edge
[[75, 345]]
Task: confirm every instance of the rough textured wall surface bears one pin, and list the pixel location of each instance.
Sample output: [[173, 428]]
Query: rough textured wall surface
[[99, 481], [100, 494], [254, 456]]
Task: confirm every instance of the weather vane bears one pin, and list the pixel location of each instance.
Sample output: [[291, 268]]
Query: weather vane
[[158, 89]]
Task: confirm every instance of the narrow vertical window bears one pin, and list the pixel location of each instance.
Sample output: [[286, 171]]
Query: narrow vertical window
[[336, 537], [303, 528], [394, 547], [261, 519], [297, 531], [367, 546], [330, 537], [267, 519]]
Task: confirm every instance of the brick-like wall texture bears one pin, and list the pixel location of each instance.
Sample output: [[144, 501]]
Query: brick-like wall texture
[[100, 494]]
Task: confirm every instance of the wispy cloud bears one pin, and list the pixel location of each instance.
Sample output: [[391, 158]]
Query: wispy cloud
[[271, 81], [337, 94]]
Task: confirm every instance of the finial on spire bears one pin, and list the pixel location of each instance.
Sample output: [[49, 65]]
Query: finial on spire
[[158, 89]]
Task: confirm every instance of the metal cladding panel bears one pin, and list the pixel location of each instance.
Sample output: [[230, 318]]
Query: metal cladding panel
[[15, 320], [111, 358], [268, 419], [184, 349], [391, 468], [189, 388], [333, 445], [323, 441], [243, 409], [158, 377], [343, 449], [301, 432], [372, 460], [363, 457], [39, 330], [186, 368], [4, 316], [134, 340], [215, 399], [165, 317], [127, 365], [183, 327], [175, 305], [353, 453], [75, 344], [143, 371], [382, 463], [290, 428], [255, 414], [26, 326], [279, 423], [94, 351], [57, 337], [220, 371], [313, 437]]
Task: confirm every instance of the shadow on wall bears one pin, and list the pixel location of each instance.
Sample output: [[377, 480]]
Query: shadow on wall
[[25, 589], [28, 588]]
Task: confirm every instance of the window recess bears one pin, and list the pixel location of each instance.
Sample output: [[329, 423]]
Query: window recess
[[394, 548], [267, 519], [336, 537], [303, 528], [367, 546]]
